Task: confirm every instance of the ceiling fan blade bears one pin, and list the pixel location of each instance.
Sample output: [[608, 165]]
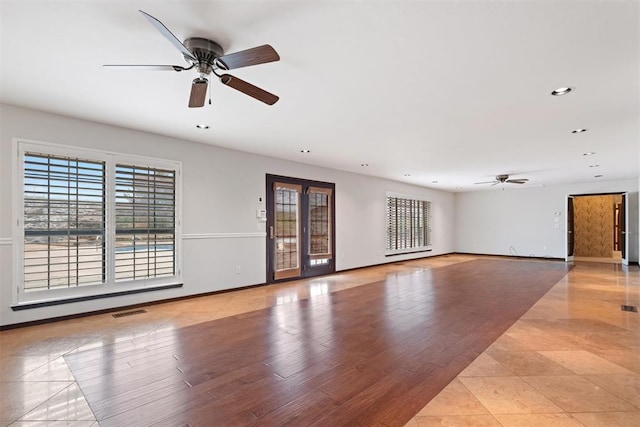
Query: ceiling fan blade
[[249, 89], [244, 58], [517, 181], [198, 93], [486, 182], [146, 67], [169, 36]]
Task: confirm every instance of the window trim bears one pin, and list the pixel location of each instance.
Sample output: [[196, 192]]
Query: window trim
[[112, 287], [414, 249]]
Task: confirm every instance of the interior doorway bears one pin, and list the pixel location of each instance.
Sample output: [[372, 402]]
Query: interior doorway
[[596, 228]]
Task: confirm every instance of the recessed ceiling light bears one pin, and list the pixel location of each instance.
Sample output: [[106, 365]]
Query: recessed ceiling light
[[202, 126], [589, 153], [594, 166], [305, 151], [597, 176], [578, 130], [561, 91], [364, 164]]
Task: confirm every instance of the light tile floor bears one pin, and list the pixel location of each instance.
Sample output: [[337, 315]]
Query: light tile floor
[[572, 360]]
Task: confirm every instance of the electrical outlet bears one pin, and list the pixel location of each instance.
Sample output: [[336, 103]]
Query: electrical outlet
[[237, 269]]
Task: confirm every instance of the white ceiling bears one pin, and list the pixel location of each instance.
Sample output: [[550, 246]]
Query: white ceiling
[[454, 92]]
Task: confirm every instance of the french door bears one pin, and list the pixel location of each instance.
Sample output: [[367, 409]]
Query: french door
[[300, 228]]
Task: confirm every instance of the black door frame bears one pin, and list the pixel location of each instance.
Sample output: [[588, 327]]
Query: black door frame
[[306, 270], [570, 229]]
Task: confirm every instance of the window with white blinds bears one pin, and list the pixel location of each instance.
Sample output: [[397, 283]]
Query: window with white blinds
[[408, 224], [94, 222], [145, 222], [64, 221]]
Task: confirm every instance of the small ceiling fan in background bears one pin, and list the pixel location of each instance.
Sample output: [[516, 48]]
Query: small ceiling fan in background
[[502, 179], [207, 57]]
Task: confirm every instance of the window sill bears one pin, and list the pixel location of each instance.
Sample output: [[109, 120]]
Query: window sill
[[48, 303], [409, 252]]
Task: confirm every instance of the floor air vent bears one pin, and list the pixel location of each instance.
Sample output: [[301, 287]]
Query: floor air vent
[[129, 313], [629, 308]]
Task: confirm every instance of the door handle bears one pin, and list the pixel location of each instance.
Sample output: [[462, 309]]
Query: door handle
[[271, 232]]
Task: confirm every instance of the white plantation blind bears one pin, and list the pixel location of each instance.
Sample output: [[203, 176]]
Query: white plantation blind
[[145, 222], [408, 224], [63, 220], [94, 222]]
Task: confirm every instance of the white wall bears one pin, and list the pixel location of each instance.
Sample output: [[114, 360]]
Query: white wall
[[215, 239], [523, 221]]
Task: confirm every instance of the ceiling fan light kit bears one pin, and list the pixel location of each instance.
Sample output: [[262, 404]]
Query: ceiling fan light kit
[[208, 57]]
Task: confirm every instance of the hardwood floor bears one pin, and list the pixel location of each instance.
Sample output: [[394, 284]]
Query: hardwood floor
[[369, 355], [366, 347]]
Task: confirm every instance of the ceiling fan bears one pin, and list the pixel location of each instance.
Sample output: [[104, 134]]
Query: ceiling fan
[[207, 57], [501, 179]]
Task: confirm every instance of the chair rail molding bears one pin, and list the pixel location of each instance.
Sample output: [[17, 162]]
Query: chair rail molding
[[195, 236]]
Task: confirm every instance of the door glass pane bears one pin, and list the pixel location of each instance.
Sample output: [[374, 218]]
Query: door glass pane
[[286, 227], [319, 226]]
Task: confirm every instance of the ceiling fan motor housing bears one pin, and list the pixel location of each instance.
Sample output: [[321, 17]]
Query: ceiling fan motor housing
[[205, 50], [502, 178]]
